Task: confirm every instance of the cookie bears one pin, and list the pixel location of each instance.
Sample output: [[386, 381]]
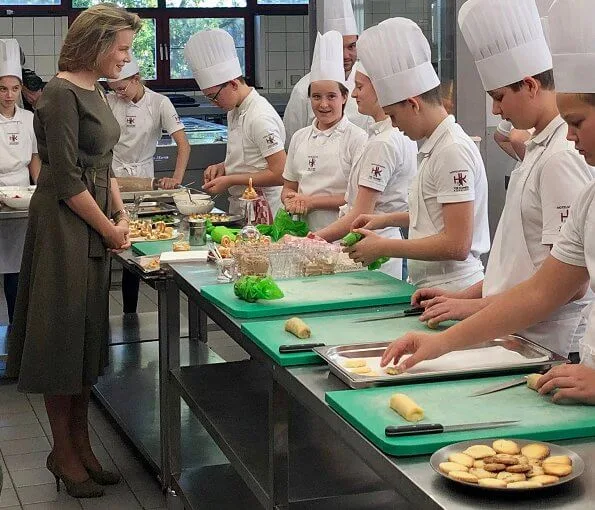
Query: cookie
[[524, 485], [545, 479], [535, 451], [355, 363], [482, 473], [522, 459], [479, 451], [550, 468], [461, 458], [535, 471], [519, 468], [478, 464], [558, 459], [492, 466], [506, 446], [493, 483], [447, 467], [502, 458], [463, 476], [392, 370], [511, 477]]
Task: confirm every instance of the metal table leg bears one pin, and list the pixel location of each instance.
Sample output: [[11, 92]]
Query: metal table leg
[[197, 322], [278, 446]]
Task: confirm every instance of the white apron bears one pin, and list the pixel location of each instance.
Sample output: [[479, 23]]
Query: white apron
[[449, 275], [234, 164], [510, 264]]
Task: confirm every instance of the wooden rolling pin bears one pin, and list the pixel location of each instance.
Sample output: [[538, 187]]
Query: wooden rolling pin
[[137, 183]]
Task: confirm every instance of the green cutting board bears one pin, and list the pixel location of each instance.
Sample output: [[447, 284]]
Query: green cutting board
[[331, 330], [158, 247], [449, 403], [316, 294]]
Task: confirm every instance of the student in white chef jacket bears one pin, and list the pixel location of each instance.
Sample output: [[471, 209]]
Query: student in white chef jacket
[[570, 267], [255, 134], [320, 156], [338, 15], [380, 178], [19, 163], [520, 81], [143, 115], [447, 217]]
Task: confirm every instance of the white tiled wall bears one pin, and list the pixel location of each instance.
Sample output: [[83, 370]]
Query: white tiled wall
[[42, 49], [419, 11]]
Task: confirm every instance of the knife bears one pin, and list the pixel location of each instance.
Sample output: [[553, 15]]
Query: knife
[[288, 348], [499, 387], [410, 312], [436, 428]]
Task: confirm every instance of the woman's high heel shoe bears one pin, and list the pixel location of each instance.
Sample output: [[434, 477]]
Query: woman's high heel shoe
[[103, 477], [86, 489]]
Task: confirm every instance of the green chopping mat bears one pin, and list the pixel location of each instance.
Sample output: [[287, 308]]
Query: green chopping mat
[[331, 330], [158, 247], [449, 403], [316, 294]]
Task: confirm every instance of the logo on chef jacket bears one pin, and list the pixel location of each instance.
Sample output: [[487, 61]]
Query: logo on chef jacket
[[312, 160], [177, 119], [131, 120], [270, 140], [376, 172], [13, 138], [460, 180], [564, 210]]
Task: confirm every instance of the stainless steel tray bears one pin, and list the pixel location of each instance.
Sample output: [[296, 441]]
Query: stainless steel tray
[[153, 208], [537, 358]]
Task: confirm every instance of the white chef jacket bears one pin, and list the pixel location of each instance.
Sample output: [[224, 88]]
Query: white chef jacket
[[141, 126], [17, 145], [450, 170], [254, 132], [576, 246], [298, 112], [320, 162]]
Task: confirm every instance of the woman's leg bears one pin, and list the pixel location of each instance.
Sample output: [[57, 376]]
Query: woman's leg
[[130, 285], [79, 429], [11, 283], [66, 458]]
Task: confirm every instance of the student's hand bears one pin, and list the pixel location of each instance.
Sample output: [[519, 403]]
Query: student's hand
[[116, 238], [368, 249], [169, 182], [572, 382], [421, 346], [421, 296], [367, 221], [442, 308], [217, 185], [298, 204], [213, 171]]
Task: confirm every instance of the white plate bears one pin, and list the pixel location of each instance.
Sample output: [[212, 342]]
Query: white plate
[[578, 466]]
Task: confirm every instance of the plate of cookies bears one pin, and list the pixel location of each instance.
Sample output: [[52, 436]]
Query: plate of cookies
[[507, 464]]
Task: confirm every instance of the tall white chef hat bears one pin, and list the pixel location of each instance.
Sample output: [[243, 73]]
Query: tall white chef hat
[[338, 15], [359, 67], [130, 69], [506, 40], [543, 7], [212, 57], [572, 37], [397, 57], [10, 58], [327, 60]]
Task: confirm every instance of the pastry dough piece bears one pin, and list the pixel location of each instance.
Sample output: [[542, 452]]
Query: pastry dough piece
[[556, 469], [463, 476], [392, 370], [522, 459], [545, 479], [461, 458], [558, 459], [447, 467], [371, 373], [530, 484], [519, 468], [493, 483], [506, 446], [479, 451], [355, 363], [250, 193], [479, 464], [511, 477], [502, 458], [535, 451], [181, 246], [406, 407], [361, 370], [298, 327], [532, 381], [535, 471], [482, 473], [493, 466]]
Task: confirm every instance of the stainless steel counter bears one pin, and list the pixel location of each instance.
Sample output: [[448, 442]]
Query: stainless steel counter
[[6, 213]]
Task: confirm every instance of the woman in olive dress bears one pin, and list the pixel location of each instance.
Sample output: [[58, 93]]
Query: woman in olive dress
[[58, 344]]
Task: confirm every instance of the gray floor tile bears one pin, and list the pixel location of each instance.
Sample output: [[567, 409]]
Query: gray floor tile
[[43, 494], [21, 432], [151, 498], [73, 504], [11, 397], [119, 502], [18, 446], [25, 461], [138, 479], [20, 406], [45, 425], [29, 477], [8, 498], [15, 508], [10, 420]]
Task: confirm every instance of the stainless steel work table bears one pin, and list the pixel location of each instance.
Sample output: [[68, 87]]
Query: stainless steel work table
[[6, 213], [291, 450]]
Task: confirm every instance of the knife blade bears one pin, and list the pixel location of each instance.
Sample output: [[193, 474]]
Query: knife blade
[[410, 312], [289, 348], [499, 387], [437, 428]]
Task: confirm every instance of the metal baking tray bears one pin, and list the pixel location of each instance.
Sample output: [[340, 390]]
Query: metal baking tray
[[152, 208], [538, 358]]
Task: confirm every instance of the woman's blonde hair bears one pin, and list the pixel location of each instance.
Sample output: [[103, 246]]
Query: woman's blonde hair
[[92, 34]]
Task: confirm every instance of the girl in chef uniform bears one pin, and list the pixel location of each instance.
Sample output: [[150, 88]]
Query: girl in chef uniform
[[143, 115], [548, 180], [320, 156], [19, 163], [447, 217], [570, 267], [380, 178], [255, 135]]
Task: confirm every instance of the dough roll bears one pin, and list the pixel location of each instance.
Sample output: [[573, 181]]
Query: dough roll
[[406, 407], [297, 327], [532, 381]]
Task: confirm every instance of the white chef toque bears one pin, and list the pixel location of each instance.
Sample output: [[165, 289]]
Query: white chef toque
[[212, 57], [543, 7], [10, 58], [338, 15], [361, 69], [130, 69], [327, 60], [506, 40], [572, 38], [398, 60]]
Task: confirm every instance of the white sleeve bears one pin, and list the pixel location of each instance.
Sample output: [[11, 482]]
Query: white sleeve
[[562, 179], [268, 134], [376, 166], [170, 121], [453, 175], [296, 113], [289, 173]]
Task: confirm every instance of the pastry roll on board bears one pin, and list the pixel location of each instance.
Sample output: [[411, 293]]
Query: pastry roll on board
[[406, 407], [297, 327]]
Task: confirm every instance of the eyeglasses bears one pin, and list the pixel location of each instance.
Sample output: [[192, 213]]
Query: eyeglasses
[[121, 91], [213, 99]]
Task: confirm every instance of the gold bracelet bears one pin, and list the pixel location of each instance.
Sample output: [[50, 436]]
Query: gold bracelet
[[117, 216]]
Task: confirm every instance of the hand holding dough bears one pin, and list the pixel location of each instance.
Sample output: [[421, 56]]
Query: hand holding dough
[[298, 327], [406, 407], [532, 381]]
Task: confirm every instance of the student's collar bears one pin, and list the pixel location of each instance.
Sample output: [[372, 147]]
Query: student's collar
[[338, 127], [433, 139], [380, 126], [248, 100], [546, 135]]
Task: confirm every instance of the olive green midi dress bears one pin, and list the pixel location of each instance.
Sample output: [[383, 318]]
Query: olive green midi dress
[[58, 342]]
